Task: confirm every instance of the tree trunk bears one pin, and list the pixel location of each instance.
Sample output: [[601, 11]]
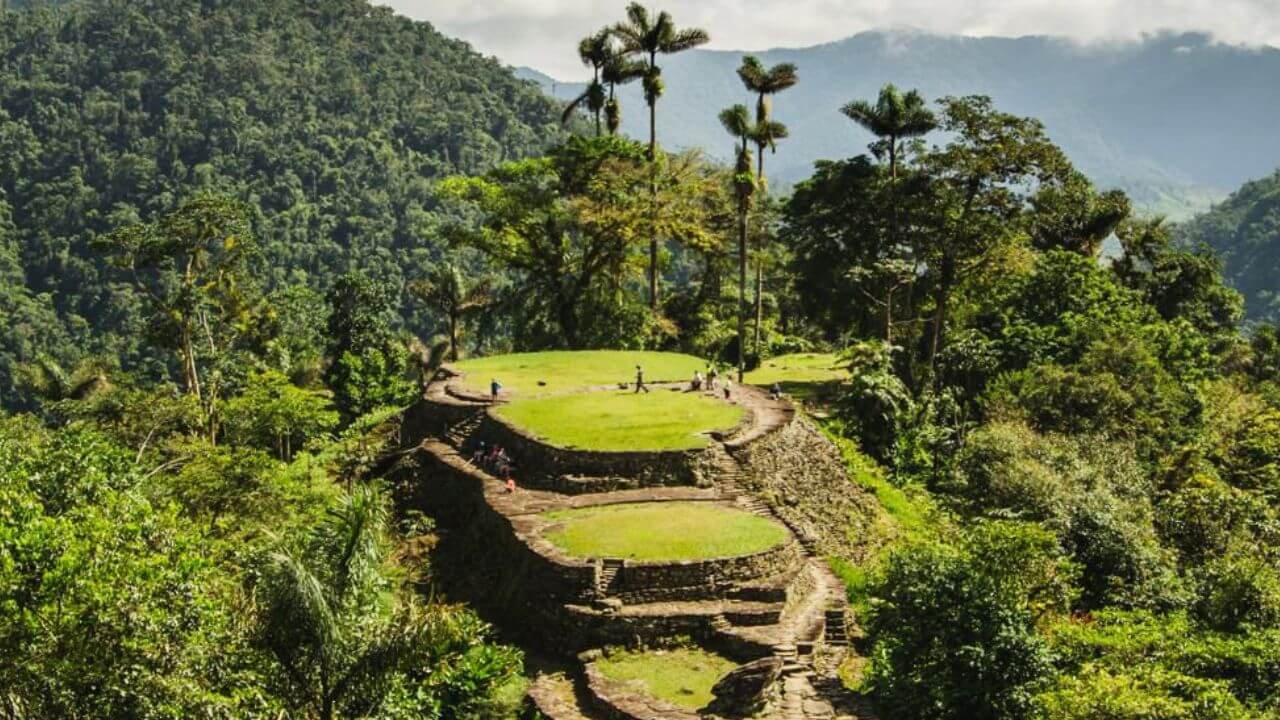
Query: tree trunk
[[742, 286], [755, 342], [453, 337], [888, 316], [653, 198], [942, 296]]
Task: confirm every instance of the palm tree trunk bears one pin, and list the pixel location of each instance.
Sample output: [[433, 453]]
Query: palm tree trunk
[[755, 343], [453, 337], [653, 206], [742, 286]]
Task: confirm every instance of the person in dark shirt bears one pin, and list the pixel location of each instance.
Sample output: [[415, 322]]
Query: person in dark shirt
[[640, 380]]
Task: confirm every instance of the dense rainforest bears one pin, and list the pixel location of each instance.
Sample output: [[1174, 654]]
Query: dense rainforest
[[1244, 230], [332, 120], [235, 236]]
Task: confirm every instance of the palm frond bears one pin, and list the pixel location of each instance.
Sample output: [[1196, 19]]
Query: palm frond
[[736, 120], [686, 39]]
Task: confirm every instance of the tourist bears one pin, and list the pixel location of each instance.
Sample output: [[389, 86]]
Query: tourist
[[494, 388], [511, 484], [696, 385], [712, 376], [477, 457], [727, 384], [640, 380], [775, 393]]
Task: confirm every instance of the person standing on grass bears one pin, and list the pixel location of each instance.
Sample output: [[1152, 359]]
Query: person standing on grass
[[640, 380], [494, 388]]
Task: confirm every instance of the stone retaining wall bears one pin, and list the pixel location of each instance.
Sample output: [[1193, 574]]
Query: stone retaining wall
[[802, 476], [653, 582], [502, 565], [432, 416], [542, 465]]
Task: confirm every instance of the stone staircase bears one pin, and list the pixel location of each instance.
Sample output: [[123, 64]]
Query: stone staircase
[[459, 434], [606, 572], [836, 629]]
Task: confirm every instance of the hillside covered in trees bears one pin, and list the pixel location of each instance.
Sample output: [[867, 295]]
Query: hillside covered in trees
[[1244, 230], [331, 119]]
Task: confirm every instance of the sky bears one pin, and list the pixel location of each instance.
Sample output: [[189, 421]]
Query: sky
[[542, 33]]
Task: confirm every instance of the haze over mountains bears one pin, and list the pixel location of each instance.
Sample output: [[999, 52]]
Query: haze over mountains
[[1176, 120]]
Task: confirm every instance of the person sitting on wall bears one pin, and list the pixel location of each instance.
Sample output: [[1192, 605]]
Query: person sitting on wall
[[775, 393], [696, 385], [477, 457], [511, 484]]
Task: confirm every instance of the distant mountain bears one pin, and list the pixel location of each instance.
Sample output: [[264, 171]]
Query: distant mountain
[[1176, 120], [1245, 232]]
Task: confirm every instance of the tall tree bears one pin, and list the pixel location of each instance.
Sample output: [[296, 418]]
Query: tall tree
[[894, 117], [193, 266], [983, 180], [595, 51], [764, 82], [647, 36], [737, 122], [446, 289]]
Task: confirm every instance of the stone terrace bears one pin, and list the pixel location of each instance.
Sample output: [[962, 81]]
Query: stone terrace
[[783, 602]]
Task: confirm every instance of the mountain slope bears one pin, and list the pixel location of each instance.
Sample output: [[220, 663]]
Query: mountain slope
[[1245, 231], [331, 118], [1176, 120]]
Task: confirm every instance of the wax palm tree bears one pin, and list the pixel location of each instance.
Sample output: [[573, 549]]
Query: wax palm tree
[[737, 122], [765, 83], [647, 36], [618, 70], [323, 614], [448, 290], [595, 52], [894, 118]]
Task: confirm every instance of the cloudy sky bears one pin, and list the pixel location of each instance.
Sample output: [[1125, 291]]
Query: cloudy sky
[[542, 33]]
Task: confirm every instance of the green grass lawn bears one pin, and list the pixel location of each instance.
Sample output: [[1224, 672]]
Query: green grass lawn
[[802, 376], [623, 420], [567, 370], [662, 531], [799, 368], [681, 676]]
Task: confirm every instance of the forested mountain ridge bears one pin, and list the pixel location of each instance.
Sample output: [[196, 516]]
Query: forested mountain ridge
[[1244, 230], [1175, 120], [331, 119]]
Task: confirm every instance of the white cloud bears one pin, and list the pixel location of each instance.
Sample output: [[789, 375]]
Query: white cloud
[[542, 33]]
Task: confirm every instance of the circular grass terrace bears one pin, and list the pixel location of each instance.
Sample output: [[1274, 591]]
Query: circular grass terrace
[[614, 420], [681, 676], [560, 370], [662, 531]]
